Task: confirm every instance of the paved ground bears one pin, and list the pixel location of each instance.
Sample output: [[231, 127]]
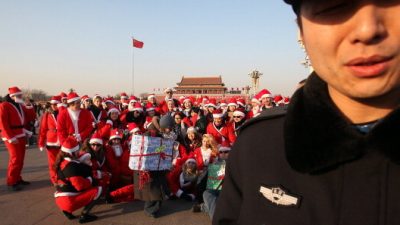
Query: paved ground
[[35, 204]]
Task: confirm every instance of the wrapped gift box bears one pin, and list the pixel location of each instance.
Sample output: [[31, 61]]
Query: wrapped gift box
[[216, 173], [150, 153]]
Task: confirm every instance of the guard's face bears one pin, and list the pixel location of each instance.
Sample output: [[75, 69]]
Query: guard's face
[[354, 45]]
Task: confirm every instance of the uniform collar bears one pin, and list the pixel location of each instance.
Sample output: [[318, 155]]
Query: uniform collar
[[319, 138]]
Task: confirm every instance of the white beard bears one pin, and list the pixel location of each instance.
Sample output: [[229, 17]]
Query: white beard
[[19, 100], [117, 150], [130, 107]]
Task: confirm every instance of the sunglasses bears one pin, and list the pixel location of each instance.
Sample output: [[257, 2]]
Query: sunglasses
[[237, 117], [97, 145], [223, 152]]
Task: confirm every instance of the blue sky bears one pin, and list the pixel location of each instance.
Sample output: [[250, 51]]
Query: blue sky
[[55, 45]]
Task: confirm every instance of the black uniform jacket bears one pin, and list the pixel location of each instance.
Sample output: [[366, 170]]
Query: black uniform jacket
[[310, 166]]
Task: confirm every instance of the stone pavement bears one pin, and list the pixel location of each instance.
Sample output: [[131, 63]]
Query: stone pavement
[[35, 204]]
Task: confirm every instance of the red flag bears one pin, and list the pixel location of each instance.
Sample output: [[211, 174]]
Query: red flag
[[137, 44]]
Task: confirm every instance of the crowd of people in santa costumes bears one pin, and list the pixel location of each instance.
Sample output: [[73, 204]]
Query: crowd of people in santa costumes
[[95, 134]]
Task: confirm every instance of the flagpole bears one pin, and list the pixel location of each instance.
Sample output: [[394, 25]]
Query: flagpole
[[133, 68]]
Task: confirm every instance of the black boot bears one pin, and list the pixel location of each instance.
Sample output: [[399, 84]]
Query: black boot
[[70, 216], [23, 182], [15, 187], [186, 197], [86, 218]]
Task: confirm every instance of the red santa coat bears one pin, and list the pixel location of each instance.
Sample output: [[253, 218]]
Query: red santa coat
[[48, 137], [48, 131], [84, 192], [198, 156], [12, 122], [224, 136], [119, 166], [82, 126]]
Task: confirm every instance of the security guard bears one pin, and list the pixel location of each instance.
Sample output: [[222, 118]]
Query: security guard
[[334, 156]]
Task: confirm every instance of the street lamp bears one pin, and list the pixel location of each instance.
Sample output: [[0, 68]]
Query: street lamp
[[255, 77]]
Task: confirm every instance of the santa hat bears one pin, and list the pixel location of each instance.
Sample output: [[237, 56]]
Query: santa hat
[[187, 100], [286, 100], [255, 98], [132, 99], [124, 95], [96, 138], [72, 97], [151, 96], [115, 133], [168, 90], [217, 113], [224, 148], [63, 96], [70, 145], [241, 102], [232, 102], [85, 157], [212, 103], [190, 160], [278, 99], [191, 129], [84, 98], [149, 107], [264, 93], [137, 107], [133, 128], [113, 109], [12, 91], [239, 112], [56, 99], [97, 96], [109, 100], [222, 103]]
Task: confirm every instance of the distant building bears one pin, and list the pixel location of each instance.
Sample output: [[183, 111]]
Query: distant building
[[200, 86]]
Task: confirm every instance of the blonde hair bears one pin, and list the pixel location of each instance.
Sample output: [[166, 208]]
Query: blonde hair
[[211, 143]]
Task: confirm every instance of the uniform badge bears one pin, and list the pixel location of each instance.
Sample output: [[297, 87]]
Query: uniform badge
[[279, 196]]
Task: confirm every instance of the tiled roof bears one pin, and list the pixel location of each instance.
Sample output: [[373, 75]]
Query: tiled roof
[[201, 81]]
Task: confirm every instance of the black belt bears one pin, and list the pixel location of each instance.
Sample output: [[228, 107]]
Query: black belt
[[17, 127]]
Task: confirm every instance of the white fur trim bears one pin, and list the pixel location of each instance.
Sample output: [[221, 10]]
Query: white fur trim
[[150, 96], [138, 109], [113, 110], [232, 104], [190, 160], [266, 96], [239, 113], [99, 191], [134, 130], [16, 93], [223, 148], [54, 102], [109, 122], [96, 140], [90, 179], [150, 109], [70, 150], [115, 136], [64, 194], [217, 115], [73, 99]]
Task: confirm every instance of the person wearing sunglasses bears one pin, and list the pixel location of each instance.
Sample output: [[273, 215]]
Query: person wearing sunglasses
[[238, 120]]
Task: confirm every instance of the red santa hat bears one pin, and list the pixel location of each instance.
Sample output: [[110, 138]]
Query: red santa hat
[[115, 133], [255, 98], [151, 96], [168, 90], [133, 128], [72, 97], [56, 99], [278, 99], [232, 102], [191, 130], [63, 96], [217, 113], [109, 100], [286, 100], [132, 99], [124, 95], [84, 98], [137, 107], [241, 102], [70, 145], [264, 93], [96, 138], [190, 160], [187, 100], [97, 96], [239, 112], [212, 103], [224, 148], [12, 91], [222, 103], [149, 107], [113, 109]]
